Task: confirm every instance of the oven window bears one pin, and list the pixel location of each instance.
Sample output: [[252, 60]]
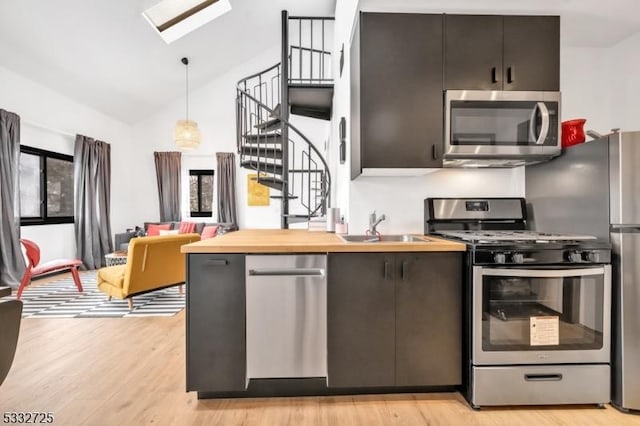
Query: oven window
[[499, 123], [542, 313]]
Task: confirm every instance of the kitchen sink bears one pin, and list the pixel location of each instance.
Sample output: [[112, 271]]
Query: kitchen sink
[[384, 239]]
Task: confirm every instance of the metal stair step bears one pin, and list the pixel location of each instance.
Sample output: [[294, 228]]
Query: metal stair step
[[269, 125], [271, 182], [261, 166], [260, 138], [277, 111], [319, 113], [255, 151], [297, 218], [311, 100], [279, 197]]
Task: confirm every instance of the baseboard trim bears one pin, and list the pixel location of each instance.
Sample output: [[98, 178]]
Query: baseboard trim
[[314, 386]]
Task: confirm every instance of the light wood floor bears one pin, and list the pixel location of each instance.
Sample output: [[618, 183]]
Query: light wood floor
[[132, 371]]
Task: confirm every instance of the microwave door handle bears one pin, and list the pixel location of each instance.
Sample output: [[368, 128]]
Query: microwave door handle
[[532, 123], [544, 130]]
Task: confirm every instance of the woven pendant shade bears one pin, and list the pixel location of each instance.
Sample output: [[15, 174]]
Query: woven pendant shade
[[187, 135]]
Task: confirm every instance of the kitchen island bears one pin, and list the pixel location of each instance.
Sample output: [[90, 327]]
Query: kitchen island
[[363, 317]]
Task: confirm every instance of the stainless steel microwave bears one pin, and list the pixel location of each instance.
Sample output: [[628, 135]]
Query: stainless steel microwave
[[486, 128]]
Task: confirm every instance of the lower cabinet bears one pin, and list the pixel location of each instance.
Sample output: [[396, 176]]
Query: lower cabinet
[[216, 345], [394, 319]]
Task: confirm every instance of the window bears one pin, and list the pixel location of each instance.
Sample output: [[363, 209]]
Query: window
[[46, 187], [201, 193], [173, 19]]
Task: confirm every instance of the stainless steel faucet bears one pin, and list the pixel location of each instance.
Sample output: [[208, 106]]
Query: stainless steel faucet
[[373, 223]]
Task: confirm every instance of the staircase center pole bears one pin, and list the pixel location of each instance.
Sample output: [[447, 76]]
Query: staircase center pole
[[284, 115]]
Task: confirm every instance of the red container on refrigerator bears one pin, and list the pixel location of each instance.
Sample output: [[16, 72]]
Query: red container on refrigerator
[[573, 132]]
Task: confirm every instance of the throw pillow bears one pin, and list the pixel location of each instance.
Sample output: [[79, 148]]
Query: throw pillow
[[187, 227], [154, 230], [169, 231], [209, 232]]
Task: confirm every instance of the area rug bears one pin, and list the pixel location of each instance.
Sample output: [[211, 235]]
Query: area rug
[[61, 299]]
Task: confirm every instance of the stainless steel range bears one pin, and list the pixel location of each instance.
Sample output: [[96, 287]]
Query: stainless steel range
[[538, 306]]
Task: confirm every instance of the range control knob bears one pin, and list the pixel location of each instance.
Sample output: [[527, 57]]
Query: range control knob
[[591, 256], [574, 256], [499, 258], [517, 258]]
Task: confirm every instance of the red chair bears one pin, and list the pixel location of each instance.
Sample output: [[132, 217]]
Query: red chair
[[34, 270]]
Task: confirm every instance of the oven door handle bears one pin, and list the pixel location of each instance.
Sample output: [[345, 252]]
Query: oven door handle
[[539, 273]]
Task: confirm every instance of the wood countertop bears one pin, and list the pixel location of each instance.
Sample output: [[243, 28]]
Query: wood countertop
[[303, 241]]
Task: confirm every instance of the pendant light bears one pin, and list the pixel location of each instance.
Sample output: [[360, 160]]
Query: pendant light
[[186, 134]]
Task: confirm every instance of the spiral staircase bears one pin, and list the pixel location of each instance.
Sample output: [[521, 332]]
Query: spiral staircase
[[281, 155]]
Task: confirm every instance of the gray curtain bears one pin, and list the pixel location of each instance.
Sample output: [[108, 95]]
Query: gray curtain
[[12, 264], [92, 197], [227, 210], [168, 175]]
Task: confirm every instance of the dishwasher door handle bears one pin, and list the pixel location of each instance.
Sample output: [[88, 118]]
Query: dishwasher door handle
[[287, 272]]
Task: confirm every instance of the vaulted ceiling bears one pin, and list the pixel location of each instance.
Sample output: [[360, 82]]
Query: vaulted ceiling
[[102, 53]]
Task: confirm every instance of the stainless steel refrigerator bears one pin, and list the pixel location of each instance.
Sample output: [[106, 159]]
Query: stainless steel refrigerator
[[594, 188]]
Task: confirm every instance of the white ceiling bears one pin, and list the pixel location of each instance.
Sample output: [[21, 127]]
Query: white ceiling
[[103, 53]]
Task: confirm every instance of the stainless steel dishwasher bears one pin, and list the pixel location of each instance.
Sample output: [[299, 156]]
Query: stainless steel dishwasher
[[286, 316]]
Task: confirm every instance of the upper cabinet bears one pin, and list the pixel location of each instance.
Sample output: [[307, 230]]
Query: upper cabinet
[[502, 52], [401, 65], [396, 91]]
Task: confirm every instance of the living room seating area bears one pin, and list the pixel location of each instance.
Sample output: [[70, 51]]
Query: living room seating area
[[204, 229], [153, 263]]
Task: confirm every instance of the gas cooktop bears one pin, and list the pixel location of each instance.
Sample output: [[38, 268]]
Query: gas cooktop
[[513, 236]]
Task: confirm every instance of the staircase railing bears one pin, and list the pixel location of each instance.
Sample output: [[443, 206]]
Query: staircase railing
[[310, 41], [303, 173]]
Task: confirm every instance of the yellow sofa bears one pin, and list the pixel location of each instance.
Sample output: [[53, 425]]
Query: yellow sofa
[[152, 263]]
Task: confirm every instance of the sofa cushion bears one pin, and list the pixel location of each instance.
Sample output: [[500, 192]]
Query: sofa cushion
[[209, 232], [154, 230], [187, 227], [112, 275], [169, 231]]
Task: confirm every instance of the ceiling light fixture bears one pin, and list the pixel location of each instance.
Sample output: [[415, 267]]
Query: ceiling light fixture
[[186, 134]]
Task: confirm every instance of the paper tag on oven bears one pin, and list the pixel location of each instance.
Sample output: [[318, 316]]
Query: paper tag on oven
[[544, 330]]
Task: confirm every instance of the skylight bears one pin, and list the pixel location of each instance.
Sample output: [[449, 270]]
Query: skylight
[[173, 19]]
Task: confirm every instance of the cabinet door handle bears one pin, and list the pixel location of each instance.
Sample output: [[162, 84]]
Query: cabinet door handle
[[494, 75], [386, 269], [434, 152], [511, 75], [405, 270], [217, 262]]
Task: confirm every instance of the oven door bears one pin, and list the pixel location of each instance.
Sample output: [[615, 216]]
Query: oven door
[[501, 124], [541, 316]]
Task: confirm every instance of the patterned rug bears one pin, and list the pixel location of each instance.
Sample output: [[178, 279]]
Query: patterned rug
[[61, 299]]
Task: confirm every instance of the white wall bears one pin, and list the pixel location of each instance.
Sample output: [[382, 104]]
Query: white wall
[[585, 84], [345, 14], [213, 108], [46, 108], [401, 199], [622, 78]]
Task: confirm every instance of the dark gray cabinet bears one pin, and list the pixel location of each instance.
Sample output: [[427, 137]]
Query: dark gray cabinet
[[502, 52], [428, 319], [216, 346], [360, 320], [394, 319], [396, 91]]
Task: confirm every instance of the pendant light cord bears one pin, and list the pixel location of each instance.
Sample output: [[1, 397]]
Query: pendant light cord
[[185, 61]]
